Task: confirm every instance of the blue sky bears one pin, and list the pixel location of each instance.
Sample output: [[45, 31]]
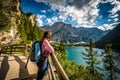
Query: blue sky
[[103, 14]]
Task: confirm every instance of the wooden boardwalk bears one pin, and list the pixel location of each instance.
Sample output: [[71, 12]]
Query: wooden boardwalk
[[12, 67]]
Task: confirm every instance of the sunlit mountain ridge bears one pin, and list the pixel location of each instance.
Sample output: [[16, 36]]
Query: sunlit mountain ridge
[[67, 33]]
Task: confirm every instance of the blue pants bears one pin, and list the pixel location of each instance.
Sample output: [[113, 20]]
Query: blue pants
[[42, 69]]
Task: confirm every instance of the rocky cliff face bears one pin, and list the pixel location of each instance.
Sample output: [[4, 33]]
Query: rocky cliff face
[[11, 12], [11, 7], [11, 17], [31, 18]]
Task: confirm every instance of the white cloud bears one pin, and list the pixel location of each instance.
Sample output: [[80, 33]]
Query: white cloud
[[114, 10], [116, 7], [40, 16], [105, 27], [63, 17], [106, 1], [81, 13], [113, 16], [87, 14], [54, 19], [39, 19], [87, 25], [49, 21], [49, 10], [84, 14], [116, 19], [109, 20], [39, 22], [108, 26], [55, 4], [43, 11]]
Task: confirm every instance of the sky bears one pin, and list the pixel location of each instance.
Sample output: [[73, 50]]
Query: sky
[[102, 14]]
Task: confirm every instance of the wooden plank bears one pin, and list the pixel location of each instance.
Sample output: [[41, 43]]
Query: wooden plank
[[51, 69], [60, 71]]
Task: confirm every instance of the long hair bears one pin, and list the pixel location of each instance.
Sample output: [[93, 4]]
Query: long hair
[[46, 35]]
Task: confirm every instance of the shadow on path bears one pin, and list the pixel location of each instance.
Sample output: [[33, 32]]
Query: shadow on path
[[22, 71], [30, 77], [4, 68]]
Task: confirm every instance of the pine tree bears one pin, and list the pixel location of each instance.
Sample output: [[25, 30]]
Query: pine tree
[[109, 63], [91, 59], [21, 32], [27, 26], [28, 32], [36, 33]]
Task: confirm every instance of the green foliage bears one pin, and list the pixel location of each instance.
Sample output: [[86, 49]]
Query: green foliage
[[109, 63], [21, 32], [4, 22], [73, 70], [28, 32], [91, 59], [36, 33], [1, 5]]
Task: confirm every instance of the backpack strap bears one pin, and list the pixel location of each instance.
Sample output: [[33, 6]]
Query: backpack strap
[[43, 55], [41, 42]]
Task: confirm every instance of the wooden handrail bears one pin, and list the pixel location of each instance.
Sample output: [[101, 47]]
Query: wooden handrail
[[60, 71], [51, 69]]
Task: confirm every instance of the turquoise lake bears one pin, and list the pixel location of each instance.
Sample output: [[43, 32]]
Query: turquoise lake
[[74, 53]]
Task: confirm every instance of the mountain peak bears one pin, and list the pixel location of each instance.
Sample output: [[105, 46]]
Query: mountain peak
[[68, 33]]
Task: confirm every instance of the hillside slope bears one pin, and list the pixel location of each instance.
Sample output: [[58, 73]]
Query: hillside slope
[[113, 37]]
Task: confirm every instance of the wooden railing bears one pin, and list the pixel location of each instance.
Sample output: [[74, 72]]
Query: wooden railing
[[61, 73], [51, 71], [15, 48], [52, 60]]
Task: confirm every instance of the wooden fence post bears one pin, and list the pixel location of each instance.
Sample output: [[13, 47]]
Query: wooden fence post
[[1, 50], [6, 48], [11, 49]]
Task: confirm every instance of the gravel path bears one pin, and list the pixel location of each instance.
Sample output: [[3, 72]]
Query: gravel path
[[12, 67]]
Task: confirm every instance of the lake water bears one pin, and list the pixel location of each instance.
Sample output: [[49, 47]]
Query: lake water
[[74, 53]]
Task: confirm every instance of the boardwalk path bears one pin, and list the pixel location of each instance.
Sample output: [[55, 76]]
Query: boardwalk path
[[12, 67]]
